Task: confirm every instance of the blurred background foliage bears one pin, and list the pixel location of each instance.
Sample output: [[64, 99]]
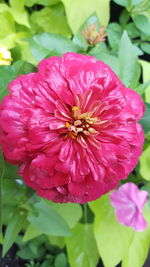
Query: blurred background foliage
[[60, 235]]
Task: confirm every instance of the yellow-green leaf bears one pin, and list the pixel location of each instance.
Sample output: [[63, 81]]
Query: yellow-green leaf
[[81, 247], [78, 11], [145, 164], [146, 76]]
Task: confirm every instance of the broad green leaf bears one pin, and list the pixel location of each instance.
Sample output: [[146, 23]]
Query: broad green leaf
[[61, 260], [66, 209], [114, 35], [19, 13], [46, 44], [30, 233], [145, 164], [47, 2], [136, 252], [11, 171], [110, 60], [30, 3], [48, 221], [142, 22], [146, 119], [47, 20], [140, 89], [128, 3], [145, 47], [146, 77], [106, 232], [12, 189], [131, 247], [124, 17], [132, 31], [15, 224], [4, 7], [6, 75], [81, 247], [128, 62], [78, 11], [136, 2], [24, 52], [23, 67], [11, 39], [122, 2], [58, 241], [7, 21], [31, 250], [1, 189]]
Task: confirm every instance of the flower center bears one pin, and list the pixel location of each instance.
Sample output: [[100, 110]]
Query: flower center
[[81, 123]]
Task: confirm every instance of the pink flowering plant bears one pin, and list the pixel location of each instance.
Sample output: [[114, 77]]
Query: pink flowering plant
[[75, 139]]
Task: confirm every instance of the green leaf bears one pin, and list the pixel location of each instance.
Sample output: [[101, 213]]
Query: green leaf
[[7, 21], [47, 20], [124, 17], [30, 3], [66, 209], [19, 13], [128, 62], [57, 241], [145, 164], [122, 2], [142, 22], [30, 233], [130, 246], [110, 60], [47, 44], [84, 9], [11, 171], [146, 119], [47, 2], [145, 47], [61, 260], [1, 190], [132, 31], [106, 232], [141, 89], [31, 250], [81, 247], [146, 76], [8, 73], [48, 221], [114, 35], [128, 3], [12, 189], [136, 252], [23, 51], [15, 224], [23, 67]]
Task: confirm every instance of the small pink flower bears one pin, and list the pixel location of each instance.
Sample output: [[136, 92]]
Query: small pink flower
[[128, 202], [72, 128]]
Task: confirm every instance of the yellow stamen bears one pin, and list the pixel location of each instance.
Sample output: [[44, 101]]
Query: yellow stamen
[[67, 124], [75, 108]]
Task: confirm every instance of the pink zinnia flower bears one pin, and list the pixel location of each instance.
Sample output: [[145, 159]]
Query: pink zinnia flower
[[72, 128], [128, 202]]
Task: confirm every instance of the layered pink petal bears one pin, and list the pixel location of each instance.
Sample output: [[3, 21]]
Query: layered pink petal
[[72, 128]]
